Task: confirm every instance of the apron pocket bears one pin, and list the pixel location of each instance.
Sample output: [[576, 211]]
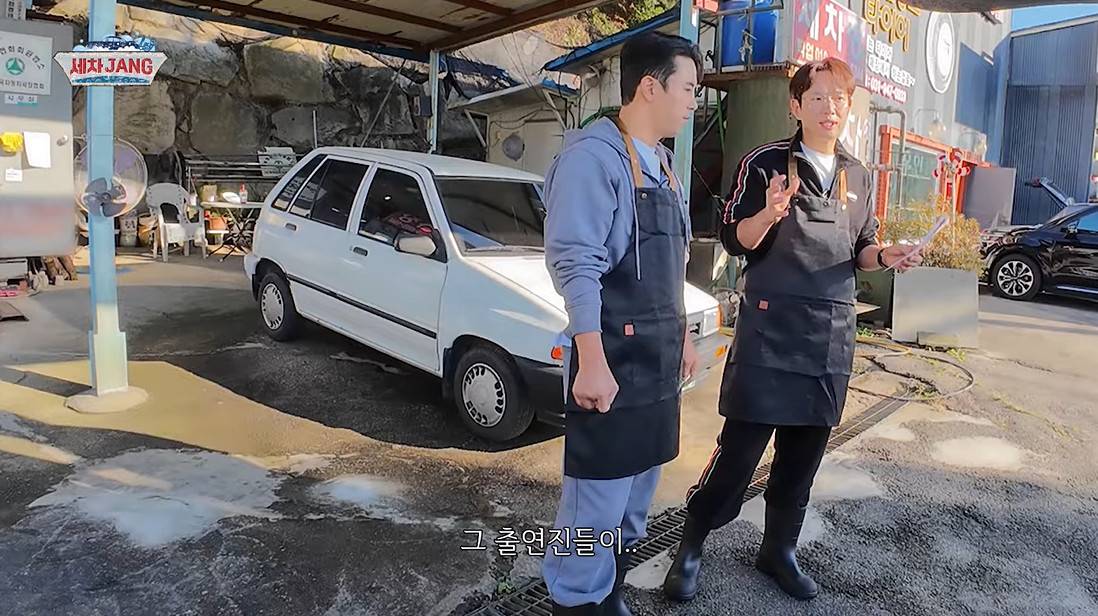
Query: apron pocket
[[657, 215], [784, 333], [844, 324], [818, 209], [654, 361]]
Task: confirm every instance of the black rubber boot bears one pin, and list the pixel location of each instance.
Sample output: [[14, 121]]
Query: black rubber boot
[[614, 604], [778, 553], [681, 583], [588, 609]]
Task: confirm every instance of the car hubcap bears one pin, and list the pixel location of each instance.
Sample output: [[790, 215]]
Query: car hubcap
[[1015, 278], [270, 304], [484, 396]]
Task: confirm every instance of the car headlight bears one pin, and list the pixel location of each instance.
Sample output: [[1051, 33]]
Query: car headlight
[[711, 321]]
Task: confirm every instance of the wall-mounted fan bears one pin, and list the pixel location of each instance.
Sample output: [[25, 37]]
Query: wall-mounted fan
[[514, 146]]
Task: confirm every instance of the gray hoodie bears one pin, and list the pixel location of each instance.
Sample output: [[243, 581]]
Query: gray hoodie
[[589, 197]]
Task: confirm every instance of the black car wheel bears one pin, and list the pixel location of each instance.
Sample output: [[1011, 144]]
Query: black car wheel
[[489, 395], [1016, 277], [276, 306]]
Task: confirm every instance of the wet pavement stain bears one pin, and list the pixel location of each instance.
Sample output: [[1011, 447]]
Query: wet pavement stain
[[156, 497], [376, 498], [898, 427], [980, 452]]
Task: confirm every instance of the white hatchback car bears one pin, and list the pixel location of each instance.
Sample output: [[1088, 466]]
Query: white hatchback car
[[435, 261]]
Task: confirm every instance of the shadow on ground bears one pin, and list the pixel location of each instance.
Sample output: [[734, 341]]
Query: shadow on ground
[[333, 380]]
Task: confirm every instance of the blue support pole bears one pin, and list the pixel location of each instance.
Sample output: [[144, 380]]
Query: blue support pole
[[106, 343], [432, 136], [684, 143]]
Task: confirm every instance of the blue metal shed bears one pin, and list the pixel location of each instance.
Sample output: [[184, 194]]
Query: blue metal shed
[[1051, 113]]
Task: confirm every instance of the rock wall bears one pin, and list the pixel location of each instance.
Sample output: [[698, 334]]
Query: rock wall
[[227, 90]]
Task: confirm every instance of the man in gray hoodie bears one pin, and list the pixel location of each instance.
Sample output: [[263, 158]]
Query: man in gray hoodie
[[616, 243]]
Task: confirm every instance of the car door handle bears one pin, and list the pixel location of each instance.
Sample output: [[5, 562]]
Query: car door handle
[[358, 250], [291, 226]]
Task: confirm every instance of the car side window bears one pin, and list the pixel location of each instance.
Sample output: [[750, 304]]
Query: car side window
[[393, 206], [306, 197], [336, 195], [329, 195], [1089, 223], [282, 201]]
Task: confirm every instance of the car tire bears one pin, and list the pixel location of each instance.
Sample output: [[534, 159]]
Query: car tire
[[1016, 277], [489, 395], [276, 308]]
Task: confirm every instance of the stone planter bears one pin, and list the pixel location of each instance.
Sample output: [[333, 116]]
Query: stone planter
[[936, 307]]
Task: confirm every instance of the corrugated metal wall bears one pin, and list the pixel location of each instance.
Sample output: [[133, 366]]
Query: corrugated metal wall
[[1051, 109], [1062, 57]]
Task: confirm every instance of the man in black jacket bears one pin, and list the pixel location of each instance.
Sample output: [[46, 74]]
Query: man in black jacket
[[802, 213]]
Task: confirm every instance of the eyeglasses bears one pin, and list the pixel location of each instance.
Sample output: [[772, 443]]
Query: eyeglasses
[[841, 101]]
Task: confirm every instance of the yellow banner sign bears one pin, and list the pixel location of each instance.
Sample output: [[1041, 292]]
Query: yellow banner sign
[[891, 17]]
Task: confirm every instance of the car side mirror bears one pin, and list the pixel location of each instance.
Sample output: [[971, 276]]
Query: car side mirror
[[1070, 230], [421, 245]]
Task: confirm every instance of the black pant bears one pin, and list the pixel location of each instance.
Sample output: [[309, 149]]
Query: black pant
[[717, 498]]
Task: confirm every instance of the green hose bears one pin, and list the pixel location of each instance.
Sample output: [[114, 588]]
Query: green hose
[[602, 112]]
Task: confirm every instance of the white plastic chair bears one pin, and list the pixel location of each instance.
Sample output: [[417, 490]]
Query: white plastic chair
[[169, 203]]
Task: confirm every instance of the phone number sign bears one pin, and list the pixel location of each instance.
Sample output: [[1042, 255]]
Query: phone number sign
[[884, 76]]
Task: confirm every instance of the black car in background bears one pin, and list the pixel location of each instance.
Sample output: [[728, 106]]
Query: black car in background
[[1059, 256]]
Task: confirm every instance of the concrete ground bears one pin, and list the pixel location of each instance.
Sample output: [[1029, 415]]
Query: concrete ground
[[319, 477]]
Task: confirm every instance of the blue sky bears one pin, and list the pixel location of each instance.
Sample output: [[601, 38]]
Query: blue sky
[[1039, 15]]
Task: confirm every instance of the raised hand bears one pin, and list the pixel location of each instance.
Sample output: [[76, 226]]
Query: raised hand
[[778, 198]]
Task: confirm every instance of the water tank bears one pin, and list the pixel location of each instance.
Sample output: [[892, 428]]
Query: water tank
[[763, 27]]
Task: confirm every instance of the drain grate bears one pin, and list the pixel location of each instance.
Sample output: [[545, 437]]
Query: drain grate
[[665, 530]]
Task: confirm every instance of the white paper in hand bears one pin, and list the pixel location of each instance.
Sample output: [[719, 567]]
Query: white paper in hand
[[925, 240]]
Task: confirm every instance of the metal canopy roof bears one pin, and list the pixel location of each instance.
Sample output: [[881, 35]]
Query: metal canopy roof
[[522, 94], [577, 60], [408, 28]]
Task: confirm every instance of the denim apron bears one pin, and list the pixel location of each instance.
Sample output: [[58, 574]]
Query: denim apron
[[643, 330], [794, 345]]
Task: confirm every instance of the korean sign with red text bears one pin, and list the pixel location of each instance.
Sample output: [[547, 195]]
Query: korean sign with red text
[[826, 28]]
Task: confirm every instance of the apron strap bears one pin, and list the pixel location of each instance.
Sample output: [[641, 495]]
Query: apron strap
[[670, 176], [634, 160]]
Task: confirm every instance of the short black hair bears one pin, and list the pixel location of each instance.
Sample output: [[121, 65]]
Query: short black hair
[[653, 53]]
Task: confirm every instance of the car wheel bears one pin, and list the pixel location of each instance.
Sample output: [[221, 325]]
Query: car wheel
[[276, 307], [1016, 277], [489, 395]]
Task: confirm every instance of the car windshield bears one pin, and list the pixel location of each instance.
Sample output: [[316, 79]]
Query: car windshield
[[494, 215], [1064, 214]]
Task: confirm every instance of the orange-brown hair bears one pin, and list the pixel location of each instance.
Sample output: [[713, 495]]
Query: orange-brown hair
[[802, 79]]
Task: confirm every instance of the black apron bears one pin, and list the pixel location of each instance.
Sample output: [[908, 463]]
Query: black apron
[[794, 344], [643, 330]]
